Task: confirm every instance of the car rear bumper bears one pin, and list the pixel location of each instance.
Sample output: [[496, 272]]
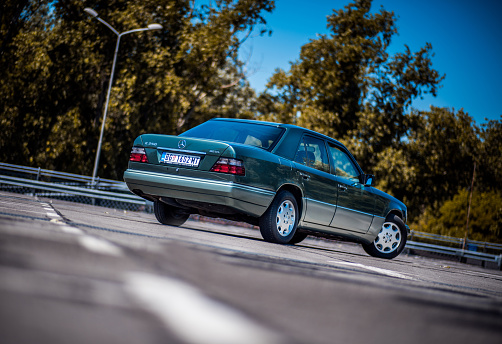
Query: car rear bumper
[[246, 199]]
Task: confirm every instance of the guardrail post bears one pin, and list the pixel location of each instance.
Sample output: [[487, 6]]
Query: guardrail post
[[499, 262], [460, 254], [95, 186], [39, 173]]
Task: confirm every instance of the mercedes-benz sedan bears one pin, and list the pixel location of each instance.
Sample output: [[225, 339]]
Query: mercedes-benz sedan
[[289, 181]]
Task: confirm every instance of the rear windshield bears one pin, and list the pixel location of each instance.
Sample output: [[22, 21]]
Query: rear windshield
[[258, 135]]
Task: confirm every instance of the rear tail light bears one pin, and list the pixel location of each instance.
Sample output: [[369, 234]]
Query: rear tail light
[[230, 166], [138, 155]]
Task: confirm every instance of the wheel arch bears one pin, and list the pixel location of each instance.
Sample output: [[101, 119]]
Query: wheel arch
[[401, 215], [396, 212]]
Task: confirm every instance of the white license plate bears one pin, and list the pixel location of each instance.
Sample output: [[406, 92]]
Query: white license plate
[[179, 159]]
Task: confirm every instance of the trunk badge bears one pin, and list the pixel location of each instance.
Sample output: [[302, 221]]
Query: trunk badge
[[182, 144]]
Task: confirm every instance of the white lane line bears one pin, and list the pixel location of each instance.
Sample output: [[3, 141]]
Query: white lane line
[[100, 246], [192, 316], [70, 230], [374, 269], [50, 212], [88, 242]]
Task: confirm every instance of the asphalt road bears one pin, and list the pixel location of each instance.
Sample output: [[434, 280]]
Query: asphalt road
[[73, 273]]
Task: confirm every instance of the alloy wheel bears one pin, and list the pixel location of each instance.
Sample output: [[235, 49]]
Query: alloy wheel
[[389, 238], [285, 218]]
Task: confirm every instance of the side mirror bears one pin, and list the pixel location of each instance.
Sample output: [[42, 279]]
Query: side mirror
[[369, 179]]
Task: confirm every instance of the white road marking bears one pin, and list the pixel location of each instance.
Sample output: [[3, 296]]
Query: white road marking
[[90, 243], [71, 230], [100, 246], [192, 316], [375, 269], [50, 212]]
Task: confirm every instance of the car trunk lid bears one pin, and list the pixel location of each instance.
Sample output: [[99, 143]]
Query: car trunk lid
[[183, 152]]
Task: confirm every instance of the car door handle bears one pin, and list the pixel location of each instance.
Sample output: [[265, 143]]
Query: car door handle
[[305, 176], [342, 187]]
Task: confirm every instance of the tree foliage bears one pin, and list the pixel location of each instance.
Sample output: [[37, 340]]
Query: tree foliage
[[485, 217], [56, 63], [433, 168], [436, 159], [347, 86]]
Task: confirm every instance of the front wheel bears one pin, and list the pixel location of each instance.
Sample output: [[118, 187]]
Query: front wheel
[[169, 215], [298, 238], [390, 241], [278, 224]]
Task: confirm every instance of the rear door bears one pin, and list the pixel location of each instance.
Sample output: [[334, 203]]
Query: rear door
[[320, 190]]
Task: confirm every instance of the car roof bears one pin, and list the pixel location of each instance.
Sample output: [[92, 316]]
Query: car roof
[[279, 125]]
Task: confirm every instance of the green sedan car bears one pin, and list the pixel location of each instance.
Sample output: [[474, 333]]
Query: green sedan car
[[290, 181]]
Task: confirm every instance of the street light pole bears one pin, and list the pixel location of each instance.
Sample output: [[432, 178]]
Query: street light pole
[[93, 13]]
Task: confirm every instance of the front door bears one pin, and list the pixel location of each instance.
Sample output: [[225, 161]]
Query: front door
[[356, 204]]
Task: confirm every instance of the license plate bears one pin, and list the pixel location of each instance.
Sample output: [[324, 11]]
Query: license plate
[[180, 159]]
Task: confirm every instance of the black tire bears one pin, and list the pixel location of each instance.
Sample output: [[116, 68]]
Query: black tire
[[391, 239], [298, 238], [169, 215], [278, 224]]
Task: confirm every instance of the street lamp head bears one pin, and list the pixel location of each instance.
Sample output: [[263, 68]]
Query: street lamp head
[[91, 11], [154, 27]]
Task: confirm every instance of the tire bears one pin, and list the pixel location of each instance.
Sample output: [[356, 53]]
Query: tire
[[278, 224], [169, 215], [391, 239], [298, 238]]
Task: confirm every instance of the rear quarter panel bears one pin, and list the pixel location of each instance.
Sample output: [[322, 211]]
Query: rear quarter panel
[[263, 169]]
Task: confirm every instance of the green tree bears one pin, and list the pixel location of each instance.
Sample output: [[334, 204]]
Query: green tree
[[55, 72], [14, 15], [485, 219], [434, 162], [490, 156], [432, 168], [347, 86]]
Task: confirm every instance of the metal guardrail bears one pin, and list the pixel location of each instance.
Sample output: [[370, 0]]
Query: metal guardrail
[[70, 187], [459, 242], [115, 194], [55, 176], [462, 255], [71, 190], [485, 252]]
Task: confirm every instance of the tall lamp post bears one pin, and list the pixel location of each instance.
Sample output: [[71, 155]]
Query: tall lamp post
[[93, 13]]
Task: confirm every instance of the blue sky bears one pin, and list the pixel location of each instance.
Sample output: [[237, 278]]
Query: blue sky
[[466, 36]]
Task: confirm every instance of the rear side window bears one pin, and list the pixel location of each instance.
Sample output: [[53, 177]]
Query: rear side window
[[258, 135], [312, 152]]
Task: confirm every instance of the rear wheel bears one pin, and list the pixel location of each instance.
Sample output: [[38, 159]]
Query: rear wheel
[[169, 215], [278, 224], [390, 241]]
